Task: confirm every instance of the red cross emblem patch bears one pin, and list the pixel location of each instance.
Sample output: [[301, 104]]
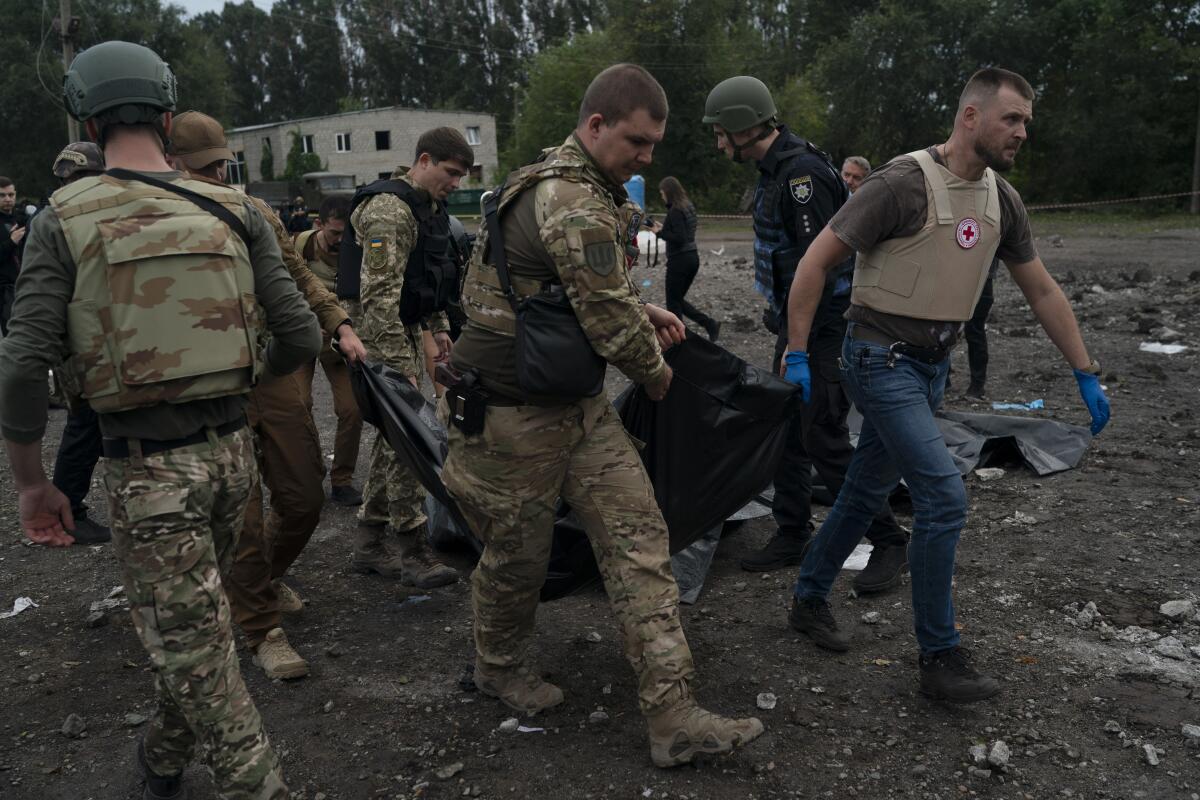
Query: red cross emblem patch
[[967, 233]]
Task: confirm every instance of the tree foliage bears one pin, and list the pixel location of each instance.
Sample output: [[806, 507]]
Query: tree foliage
[[1118, 81]]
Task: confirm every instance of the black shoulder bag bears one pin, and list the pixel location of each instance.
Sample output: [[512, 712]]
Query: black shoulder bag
[[554, 356]]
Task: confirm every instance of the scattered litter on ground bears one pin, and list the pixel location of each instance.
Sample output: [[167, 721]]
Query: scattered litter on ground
[[449, 771], [1032, 405], [416, 598], [527, 729], [989, 473], [766, 701], [19, 605], [646, 283], [858, 559], [1159, 347]]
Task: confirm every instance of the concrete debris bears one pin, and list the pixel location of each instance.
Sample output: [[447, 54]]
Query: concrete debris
[[1000, 754], [1170, 647], [449, 771], [133, 719], [1151, 753], [766, 701], [978, 753], [1178, 609], [1112, 726], [1020, 518], [1088, 616], [982, 774], [1135, 635], [593, 637], [871, 618], [597, 718], [73, 726], [1191, 731], [989, 474], [509, 725]]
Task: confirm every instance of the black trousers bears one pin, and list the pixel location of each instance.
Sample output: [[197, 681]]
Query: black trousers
[[7, 294], [681, 271], [975, 332], [78, 453], [819, 438]]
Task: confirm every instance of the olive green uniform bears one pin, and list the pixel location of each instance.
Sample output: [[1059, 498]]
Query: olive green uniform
[[564, 227], [175, 514]]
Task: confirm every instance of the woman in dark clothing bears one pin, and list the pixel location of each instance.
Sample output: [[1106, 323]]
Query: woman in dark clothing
[[678, 230]]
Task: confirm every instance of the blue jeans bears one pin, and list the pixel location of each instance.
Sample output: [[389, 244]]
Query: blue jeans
[[899, 439]]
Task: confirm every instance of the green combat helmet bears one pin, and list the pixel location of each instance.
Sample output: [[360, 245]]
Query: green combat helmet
[[119, 83], [739, 103]]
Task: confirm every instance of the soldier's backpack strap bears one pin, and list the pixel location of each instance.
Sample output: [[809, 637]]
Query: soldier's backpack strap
[[208, 204], [495, 244]]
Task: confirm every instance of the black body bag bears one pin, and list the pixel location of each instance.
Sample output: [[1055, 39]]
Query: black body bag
[[554, 356]]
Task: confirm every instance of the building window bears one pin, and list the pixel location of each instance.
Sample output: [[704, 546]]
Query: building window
[[383, 140], [306, 144], [473, 135], [342, 143], [477, 173], [237, 168]]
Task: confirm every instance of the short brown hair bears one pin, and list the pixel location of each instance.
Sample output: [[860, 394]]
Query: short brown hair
[[445, 144], [619, 91], [984, 84], [335, 206]]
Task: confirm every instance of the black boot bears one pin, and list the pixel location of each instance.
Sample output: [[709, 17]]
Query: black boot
[[883, 570], [713, 329], [346, 495], [88, 531], [783, 550], [948, 675], [975, 390], [158, 787], [814, 618]]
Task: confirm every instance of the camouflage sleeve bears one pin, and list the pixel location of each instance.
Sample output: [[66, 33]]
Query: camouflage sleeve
[[322, 301], [295, 335], [580, 233], [438, 322], [37, 330], [387, 232]]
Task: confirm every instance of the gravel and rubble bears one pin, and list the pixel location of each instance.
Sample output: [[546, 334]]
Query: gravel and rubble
[[1077, 590]]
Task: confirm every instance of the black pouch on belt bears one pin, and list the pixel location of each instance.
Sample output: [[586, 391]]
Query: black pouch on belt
[[465, 397]]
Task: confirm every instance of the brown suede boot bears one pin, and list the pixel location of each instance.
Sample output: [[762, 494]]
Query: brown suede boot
[[685, 730], [371, 553], [421, 566], [518, 688]]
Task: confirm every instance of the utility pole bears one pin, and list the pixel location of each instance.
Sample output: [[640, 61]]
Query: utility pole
[[67, 27], [1196, 164]]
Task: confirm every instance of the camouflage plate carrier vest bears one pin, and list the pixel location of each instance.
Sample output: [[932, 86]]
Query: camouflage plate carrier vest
[[317, 265], [164, 307], [483, 301], [937, 273]]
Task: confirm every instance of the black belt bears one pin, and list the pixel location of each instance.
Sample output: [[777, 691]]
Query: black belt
[[119, 448], [926, 355]]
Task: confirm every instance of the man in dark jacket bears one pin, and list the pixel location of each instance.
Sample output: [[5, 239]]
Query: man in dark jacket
[[13, 224]]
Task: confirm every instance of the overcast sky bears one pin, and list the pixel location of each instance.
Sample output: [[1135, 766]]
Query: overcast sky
[[200, 6]]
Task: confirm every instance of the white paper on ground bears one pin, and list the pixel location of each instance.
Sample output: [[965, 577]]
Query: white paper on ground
[[858, 559], [19, 605], [1159, 347]]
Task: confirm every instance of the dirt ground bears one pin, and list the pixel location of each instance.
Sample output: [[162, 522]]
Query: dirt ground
[[1092, 693]]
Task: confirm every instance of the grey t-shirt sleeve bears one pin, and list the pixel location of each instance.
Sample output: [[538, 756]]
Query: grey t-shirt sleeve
[[37, 330], [295, 332], [1016, 235]]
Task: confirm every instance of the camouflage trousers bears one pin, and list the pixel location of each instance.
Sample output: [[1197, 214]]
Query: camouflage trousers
[[508, 481], [175, 520], [392, 494]]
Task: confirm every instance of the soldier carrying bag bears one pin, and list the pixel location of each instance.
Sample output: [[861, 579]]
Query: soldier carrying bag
[[554, 356]]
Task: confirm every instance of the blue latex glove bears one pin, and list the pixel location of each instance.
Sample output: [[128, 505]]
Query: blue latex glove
[[798, 372], [1093, 398]]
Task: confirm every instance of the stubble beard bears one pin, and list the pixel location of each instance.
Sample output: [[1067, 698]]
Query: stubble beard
[[994, 158]]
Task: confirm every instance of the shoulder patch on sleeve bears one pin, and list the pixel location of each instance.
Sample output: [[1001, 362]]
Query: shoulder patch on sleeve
[[801, 189], [599, 250]]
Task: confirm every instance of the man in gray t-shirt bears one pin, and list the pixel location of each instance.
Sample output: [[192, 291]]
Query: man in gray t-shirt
[[926, 227]]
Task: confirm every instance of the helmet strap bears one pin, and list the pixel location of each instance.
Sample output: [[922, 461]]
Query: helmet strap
[[767, 130]]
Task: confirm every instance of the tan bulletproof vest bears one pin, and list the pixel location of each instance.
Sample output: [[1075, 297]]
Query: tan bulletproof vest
[[483, 301], [317, 265], [163, 308], [937, 273]]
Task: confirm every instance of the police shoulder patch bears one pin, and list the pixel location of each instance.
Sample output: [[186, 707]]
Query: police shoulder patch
[[801, 189]]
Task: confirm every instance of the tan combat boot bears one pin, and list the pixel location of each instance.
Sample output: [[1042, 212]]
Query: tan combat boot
[[518, 688], [421, 566], [277, 658], [290, 601], [371, 553], [685, 730]]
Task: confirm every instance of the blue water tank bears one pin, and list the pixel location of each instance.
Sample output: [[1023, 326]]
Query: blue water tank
[[635, 187]]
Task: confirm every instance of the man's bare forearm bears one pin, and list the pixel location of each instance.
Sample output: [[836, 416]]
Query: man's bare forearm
[[26, 460], [1052, 309], [808, 285]]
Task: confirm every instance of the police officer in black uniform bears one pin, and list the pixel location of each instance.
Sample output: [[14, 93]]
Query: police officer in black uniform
[[799, 190]]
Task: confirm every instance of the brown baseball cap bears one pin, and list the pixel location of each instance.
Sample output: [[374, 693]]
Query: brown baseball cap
[[198, 140], [78, 157]]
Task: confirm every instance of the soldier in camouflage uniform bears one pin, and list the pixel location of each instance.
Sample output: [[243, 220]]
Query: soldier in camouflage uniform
[[156, 305], [561, 225], [287, 443], [391, 538]]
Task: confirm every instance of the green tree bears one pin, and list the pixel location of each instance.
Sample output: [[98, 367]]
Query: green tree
[[267, 169], [299, 162]]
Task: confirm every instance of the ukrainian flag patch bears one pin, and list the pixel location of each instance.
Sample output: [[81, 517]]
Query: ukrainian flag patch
[[376, 243]]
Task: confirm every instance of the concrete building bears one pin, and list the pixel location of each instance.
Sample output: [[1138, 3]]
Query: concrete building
[[366, 144]]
